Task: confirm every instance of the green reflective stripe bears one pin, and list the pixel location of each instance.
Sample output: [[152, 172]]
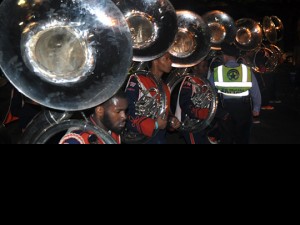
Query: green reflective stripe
[[249, 75], [216, 77]]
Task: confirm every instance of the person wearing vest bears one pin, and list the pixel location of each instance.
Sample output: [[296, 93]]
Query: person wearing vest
[[110, 116], [144, 125], [239, 97]]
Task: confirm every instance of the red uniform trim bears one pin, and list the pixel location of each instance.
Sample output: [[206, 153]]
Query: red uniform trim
[[192, 139], [10, 118]]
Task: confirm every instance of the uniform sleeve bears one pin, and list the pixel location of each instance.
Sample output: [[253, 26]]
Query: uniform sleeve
[[137, 124], [187, 105], [255, 95]]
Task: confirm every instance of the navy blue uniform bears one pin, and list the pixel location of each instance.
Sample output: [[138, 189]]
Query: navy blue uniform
[[186, 108]]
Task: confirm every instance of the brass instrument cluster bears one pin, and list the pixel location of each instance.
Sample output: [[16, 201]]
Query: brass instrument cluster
[[258, 41], [72, 55]]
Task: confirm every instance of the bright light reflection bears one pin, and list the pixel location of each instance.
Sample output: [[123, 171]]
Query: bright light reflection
[[21, 2], [103, 18]]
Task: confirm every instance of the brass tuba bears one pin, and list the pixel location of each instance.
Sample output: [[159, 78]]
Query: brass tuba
[[249, 34], [153, 27], [205, 97], [49, 123], [273, 29], [265, 57], [152, 24], [222, 28], [67, 55], [192, 45]]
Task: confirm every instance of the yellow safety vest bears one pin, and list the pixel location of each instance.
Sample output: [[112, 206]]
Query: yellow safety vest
[[233, 81]]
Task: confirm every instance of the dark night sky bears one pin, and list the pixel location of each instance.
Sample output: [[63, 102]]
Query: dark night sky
[[242, 8], [287, 10]]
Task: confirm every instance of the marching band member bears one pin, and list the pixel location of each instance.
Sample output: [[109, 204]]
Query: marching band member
[[110, 116], [186, 108], [144, 125]]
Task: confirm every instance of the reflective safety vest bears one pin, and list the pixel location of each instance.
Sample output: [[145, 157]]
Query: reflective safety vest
[[233, 81]]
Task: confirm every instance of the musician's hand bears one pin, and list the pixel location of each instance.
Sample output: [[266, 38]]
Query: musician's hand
[[162, 123], [175, 123]]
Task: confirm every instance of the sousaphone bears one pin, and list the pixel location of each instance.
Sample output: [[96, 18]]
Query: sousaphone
[[55, 122], [267, 59], [67, 55], [273, 29], [222, 28], [249, 34], [191, 46], [192, 42], [262, 57], [152, 24], [153, 27]]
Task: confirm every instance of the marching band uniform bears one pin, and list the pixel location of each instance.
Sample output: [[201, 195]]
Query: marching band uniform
[[186, 108], [79, 137], [141, 124]]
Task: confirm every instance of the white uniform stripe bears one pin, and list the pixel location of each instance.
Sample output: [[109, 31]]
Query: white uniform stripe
[[245, 73], [233, 84], [244, 94]]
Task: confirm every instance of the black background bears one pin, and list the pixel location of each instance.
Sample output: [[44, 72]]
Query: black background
[[287, 10]]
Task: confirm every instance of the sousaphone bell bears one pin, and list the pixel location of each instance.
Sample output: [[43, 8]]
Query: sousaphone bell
[[222, 28], [249, 34], [153, 27], [191, 46], [192, 42], [152, 24], [273, 29], [68, 55]]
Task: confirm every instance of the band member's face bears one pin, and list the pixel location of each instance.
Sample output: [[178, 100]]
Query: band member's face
[[165, 63], [114, 118]]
